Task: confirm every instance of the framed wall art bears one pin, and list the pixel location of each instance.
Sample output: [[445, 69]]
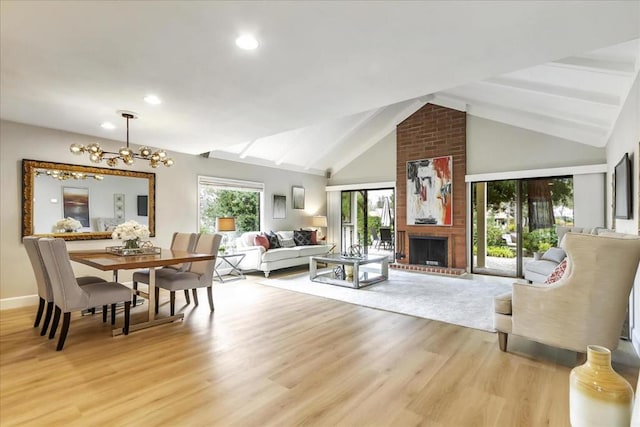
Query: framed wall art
[[429, 191], [279, 206], [75, 203], [297, 196]]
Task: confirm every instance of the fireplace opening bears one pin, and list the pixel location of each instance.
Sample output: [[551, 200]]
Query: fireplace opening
[[427, 250]]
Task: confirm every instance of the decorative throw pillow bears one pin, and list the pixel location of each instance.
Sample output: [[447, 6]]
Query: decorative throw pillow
[[302, 237], [314, 237], [287, 243], [274, 242], [557, 273], [554, 254], [261, 240]]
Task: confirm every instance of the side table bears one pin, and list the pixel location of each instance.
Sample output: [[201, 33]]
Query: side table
[[232, 260]]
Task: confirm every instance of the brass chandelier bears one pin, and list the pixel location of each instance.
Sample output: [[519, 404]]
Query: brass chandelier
[[126, 155]]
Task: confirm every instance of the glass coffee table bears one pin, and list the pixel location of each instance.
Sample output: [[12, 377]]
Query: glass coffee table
[[345, 270]]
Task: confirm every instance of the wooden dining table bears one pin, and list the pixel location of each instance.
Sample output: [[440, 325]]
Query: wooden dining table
[[102, 260]]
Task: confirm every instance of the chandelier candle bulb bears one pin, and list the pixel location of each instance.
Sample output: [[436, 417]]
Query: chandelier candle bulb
[[124, 154]]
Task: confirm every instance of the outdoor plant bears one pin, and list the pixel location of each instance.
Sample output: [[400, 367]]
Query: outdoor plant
[[500, 252]]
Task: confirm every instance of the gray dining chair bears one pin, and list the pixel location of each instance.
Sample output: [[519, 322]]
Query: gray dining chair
[[199, 274], [68, 296], [45, 293], [179, 242]]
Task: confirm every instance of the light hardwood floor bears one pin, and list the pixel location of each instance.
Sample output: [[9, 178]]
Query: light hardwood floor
[[270, 357]]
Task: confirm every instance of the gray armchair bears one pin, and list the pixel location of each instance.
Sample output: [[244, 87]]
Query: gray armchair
[[68, 296], [586, 306]]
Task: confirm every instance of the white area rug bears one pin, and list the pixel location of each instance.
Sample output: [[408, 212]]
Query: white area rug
[[463, 302]]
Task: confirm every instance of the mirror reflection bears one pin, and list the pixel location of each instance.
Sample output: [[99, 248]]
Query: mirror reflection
[[83, 202]]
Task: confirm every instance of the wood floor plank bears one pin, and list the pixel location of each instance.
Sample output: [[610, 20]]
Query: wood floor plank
[[272, 357]]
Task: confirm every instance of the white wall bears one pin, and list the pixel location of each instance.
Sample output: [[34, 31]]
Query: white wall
[[625, 139], [497, 147], [377, 164], [589, 200], [176, 196]]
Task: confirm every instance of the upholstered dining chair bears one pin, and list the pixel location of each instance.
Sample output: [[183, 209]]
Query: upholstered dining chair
[[45, 292], [68, 296], [179, 242], [198, 275], [587, 305]]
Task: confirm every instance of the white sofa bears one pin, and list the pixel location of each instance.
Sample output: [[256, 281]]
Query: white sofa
[[258, 258], [537, 271]]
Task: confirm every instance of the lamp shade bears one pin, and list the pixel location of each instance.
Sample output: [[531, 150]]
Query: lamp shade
[[319, 221], [226, 223]]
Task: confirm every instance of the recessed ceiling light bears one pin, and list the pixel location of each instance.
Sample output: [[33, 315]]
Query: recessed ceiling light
[[152, 99], [247, 42], [107, 125]]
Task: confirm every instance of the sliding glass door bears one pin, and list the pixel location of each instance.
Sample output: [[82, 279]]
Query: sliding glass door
[[368, 220], [513, 221]]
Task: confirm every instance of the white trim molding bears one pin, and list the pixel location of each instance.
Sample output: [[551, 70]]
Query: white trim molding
[[17, 302], [363, 186], [537, 173]]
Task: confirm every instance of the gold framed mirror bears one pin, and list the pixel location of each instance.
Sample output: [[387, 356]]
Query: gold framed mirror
[[97, 199]]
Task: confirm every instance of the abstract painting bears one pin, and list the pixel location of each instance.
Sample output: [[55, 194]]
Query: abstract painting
[[429, 191], [297, 195], [279, 206], [76, 204]]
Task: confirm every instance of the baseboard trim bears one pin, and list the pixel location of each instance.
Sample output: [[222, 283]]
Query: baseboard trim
[[17, 302], [635, 340]]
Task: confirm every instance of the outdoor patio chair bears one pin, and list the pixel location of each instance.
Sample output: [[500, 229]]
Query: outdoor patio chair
[[386, 238], [375, 240]]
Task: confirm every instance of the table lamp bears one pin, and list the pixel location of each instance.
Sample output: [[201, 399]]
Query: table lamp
[[319, 221], [226, 224]]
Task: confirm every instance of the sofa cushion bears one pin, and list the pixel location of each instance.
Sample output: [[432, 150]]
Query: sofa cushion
[[313, 250], [302, 237], [280, 254], [274, 243], [554, 254], [542, 267], [261, 240]]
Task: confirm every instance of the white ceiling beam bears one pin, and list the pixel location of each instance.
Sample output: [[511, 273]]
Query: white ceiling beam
[[245, 151], [222, 155], [597, 65], [554, 90], [285, 144], [584, 132], [384, 131], [358, 124], [572, 118]]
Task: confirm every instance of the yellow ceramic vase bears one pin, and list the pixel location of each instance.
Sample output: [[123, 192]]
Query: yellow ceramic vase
[[598, 396]]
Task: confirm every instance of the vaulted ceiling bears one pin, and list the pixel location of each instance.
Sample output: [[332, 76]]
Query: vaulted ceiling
[[329, 80]]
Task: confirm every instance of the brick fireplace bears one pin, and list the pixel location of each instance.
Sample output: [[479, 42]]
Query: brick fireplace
[[431, 132]]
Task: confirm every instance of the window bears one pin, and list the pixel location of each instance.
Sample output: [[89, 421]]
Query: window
[[225, 197]]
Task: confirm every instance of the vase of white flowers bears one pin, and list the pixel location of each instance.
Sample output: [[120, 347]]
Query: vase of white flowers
[[68, 225], [130, 233]]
